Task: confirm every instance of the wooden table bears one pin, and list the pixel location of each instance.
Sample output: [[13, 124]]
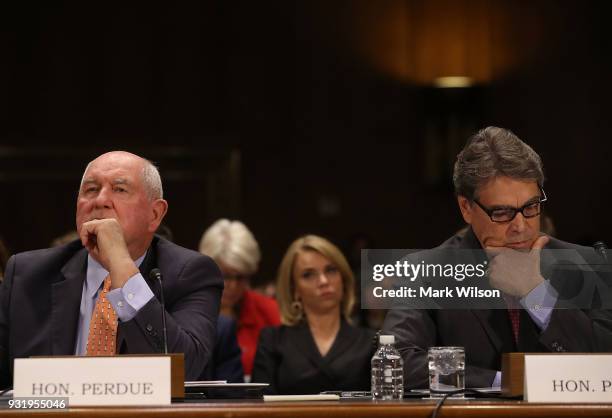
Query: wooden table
[[332, 409]]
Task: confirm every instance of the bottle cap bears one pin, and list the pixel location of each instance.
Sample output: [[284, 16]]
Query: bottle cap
[[387, 339]]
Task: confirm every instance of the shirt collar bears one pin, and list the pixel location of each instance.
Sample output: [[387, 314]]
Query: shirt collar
[[96, 274]]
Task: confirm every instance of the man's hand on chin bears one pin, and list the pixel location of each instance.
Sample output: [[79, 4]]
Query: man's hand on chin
[[104, 240], [516, 272]]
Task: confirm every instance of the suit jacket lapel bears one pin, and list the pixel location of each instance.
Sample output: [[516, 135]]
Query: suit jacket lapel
[[491, 320], [304, 342], [487, 319], [344, 340], [65, 304]]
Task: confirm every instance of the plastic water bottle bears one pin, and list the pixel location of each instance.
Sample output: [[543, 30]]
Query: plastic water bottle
[[387, 371]]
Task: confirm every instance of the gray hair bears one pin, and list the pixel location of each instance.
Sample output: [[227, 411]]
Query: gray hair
[[494, 152], [150, 178], [231, 243]]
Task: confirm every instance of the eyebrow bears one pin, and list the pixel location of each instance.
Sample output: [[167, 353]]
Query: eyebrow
[[330, 265], [534, 199], [89, 181], [116, 181], [326, 266], [121, 180]]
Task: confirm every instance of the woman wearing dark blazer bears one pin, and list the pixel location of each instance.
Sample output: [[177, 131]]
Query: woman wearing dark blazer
[[316, 348]]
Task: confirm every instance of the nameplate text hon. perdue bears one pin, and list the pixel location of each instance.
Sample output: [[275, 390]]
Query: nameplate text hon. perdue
[[90, 381]]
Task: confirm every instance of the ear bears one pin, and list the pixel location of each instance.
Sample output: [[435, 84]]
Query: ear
[[466, 209], [159, 208]]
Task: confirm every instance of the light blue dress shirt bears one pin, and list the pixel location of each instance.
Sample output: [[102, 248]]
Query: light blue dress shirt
[[126, 301]]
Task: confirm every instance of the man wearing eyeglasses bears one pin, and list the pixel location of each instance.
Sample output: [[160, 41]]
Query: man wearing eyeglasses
[[499, 181]]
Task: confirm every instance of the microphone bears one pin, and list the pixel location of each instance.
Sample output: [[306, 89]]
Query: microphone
[[601, 248], [156, 275]]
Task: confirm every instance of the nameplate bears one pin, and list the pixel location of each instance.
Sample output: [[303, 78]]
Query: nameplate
[[568, 378], [92, 381]]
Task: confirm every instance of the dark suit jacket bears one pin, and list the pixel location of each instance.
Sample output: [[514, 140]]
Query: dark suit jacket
[[486, 334], [288, 359], [226, 361], [40, 299]]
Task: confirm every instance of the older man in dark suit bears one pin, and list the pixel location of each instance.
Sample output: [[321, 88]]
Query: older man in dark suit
[[94, 296], [498, 181]]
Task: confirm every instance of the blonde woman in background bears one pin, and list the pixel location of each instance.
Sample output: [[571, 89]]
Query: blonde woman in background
[[235, 250], [316, 348]]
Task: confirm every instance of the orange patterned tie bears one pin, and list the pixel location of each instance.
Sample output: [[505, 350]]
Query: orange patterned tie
[[102, 338]]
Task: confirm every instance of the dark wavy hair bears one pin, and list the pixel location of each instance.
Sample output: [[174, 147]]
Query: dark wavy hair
[[494, 152]]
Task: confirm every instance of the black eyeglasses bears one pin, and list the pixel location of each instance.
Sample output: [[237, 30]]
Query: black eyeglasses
[[506, 214]]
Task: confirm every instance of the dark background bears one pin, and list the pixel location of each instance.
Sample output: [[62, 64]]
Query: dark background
[[307, 116]]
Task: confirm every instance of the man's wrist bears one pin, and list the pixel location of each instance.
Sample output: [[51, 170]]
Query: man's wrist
[[121, 271], [536, 282], [130, 298]]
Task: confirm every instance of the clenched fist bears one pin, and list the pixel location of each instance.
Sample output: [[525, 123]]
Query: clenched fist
[[516, 272], [104, 240]]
